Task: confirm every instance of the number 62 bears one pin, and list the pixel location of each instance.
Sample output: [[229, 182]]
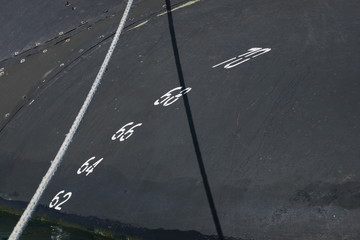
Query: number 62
[[55, 201]]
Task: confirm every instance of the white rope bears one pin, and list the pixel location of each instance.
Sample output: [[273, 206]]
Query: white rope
[[20, 226]]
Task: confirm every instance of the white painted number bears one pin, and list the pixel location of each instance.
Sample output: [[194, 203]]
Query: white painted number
[[55, 201], [168, 99], [124, 134], [235, 61], [87, 168]]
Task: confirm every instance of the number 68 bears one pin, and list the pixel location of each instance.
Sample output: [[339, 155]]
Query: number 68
[[169, 99]]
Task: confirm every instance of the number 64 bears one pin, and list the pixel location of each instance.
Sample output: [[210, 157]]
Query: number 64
[[87, 168]]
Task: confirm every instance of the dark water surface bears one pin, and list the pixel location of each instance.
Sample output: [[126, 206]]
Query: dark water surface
[[39, 230]]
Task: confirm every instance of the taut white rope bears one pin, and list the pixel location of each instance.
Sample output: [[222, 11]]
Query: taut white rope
[[25, 217]]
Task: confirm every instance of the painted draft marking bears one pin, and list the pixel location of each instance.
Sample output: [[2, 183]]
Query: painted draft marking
[[168, 99], [86, 167], [55, 201], [122, 134], [251, 53]]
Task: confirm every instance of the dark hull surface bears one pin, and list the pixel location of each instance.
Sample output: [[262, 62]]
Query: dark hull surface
[[279, 134]]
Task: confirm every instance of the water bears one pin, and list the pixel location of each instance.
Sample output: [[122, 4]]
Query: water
[[39, 230]]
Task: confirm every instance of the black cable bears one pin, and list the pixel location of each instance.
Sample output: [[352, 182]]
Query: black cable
[[191, 124]]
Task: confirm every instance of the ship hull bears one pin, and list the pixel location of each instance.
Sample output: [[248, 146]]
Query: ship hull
[[272, 114]]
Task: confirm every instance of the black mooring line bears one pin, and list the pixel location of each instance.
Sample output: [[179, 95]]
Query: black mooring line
[[191, 124]]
